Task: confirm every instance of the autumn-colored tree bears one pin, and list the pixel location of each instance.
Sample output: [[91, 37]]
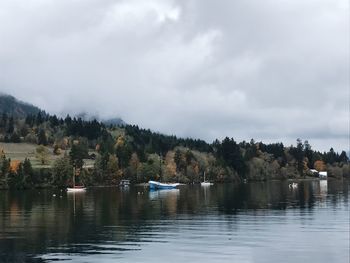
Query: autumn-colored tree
[[134, 161], [170, 170], [320, 166], [120, 142], [14, 165]]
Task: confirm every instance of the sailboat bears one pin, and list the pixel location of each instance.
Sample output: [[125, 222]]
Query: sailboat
[[206, 183], [76, 188]]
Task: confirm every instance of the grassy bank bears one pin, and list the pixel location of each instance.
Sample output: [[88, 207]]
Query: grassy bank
[[21, 151]]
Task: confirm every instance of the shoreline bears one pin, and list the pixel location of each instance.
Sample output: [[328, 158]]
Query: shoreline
[[145, 185]]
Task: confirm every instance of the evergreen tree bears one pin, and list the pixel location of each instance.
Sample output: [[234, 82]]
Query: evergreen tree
[[54, 122], [10, 126], [229, 152], [78, 152], [299, 154], [62, 172], [42, 139], [30, 120], [15, 138], [251, 151], [308, 153], [343, 157], [3, 121], [28, 172], [39, 119], [331, 157]]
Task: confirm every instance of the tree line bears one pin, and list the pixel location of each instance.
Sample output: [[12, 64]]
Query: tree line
[[130, 152]]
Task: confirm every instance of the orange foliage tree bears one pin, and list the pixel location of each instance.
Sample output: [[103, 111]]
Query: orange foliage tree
[[14, 165], [320, 165]]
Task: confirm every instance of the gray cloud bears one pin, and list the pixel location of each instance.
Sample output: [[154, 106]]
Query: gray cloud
[[271, 70]]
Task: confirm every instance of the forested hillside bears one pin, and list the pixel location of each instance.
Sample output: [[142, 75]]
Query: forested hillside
[[15, 108], [105, 154]]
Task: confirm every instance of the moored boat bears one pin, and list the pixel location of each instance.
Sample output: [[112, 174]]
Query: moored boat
[[76, 189], [124, 183], [154, 185], [206, 183]]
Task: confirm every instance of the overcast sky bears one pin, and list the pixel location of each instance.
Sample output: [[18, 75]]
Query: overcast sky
[[273, 70]]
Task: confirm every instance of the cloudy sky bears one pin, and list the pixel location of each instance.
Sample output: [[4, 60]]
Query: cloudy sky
[[273, 70]]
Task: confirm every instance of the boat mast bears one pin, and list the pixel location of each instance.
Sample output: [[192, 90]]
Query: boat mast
[[73, 176]]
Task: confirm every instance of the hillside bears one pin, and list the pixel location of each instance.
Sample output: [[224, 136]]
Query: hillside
[[18, 109], [105, 154]]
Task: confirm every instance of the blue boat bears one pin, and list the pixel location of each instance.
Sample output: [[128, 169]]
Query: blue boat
[[154, 185]]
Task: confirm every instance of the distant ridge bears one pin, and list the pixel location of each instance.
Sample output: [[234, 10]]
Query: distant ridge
[[19, 109], [16, 108]]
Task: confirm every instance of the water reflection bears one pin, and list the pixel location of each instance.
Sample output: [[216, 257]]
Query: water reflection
[[118, 222], [164, 194], [323, 187]]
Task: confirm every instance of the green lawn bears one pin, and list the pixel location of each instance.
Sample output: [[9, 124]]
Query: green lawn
[[20, 151]]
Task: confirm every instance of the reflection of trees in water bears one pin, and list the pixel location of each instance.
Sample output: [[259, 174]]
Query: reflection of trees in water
[[36, 221]]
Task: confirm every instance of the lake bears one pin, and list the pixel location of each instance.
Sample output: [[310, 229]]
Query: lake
[[252, 222]]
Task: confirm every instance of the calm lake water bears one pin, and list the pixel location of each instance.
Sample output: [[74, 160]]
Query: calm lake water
[[253, 222]]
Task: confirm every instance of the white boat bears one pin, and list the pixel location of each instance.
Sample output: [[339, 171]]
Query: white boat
[[206, 183], [124, 183], [76, 189]]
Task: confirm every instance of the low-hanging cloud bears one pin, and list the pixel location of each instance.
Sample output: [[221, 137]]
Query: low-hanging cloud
[[269, 70]]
